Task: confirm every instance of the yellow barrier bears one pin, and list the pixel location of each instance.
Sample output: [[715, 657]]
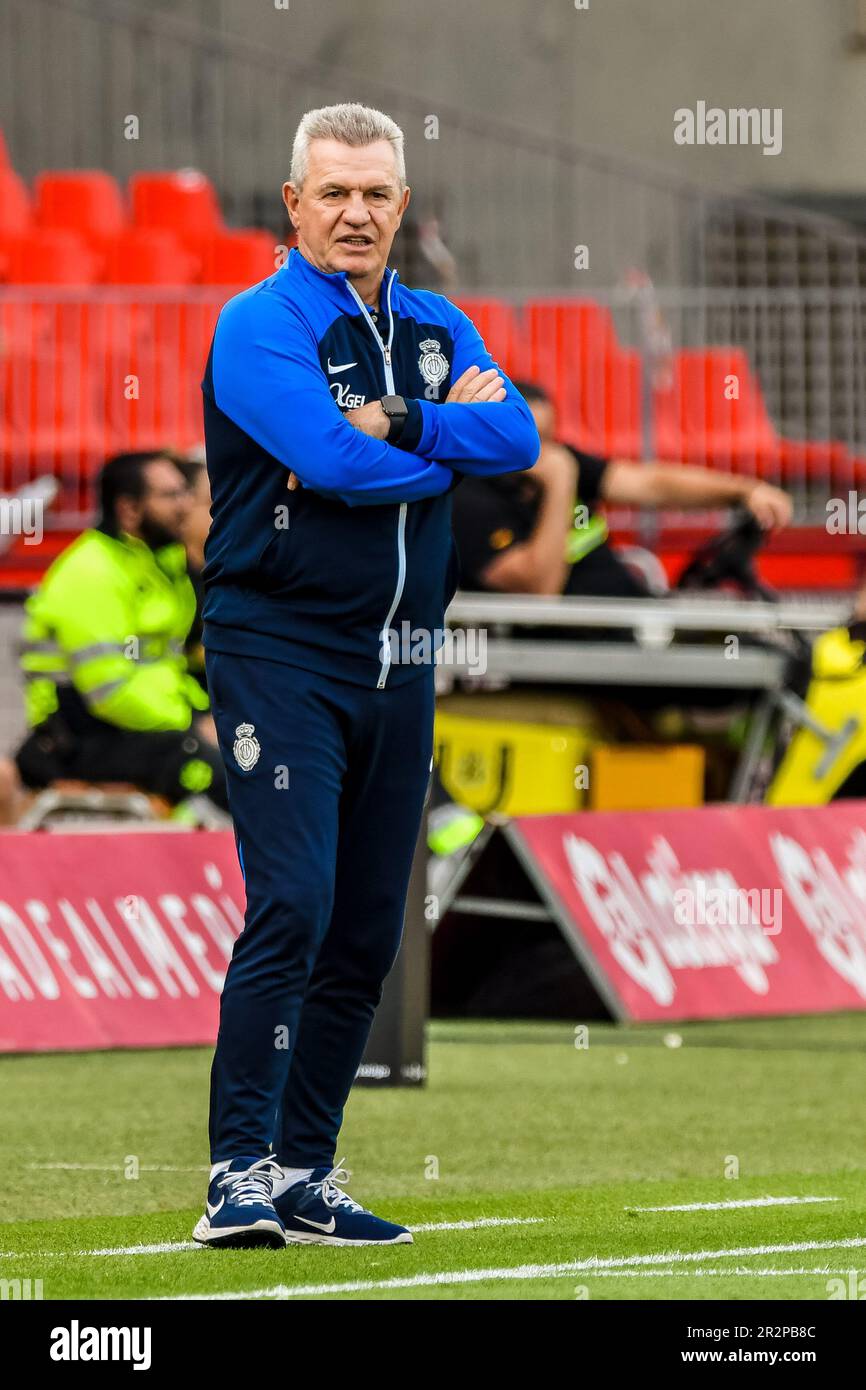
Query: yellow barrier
[[516, 768]]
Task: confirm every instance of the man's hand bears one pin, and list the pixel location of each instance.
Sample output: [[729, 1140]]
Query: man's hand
[[475, 386], [770, 506], [204, 726], [370, 419]]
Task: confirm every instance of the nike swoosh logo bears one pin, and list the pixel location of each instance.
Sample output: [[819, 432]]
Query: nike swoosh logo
[[328, 1227], [343, 367], [212, 1211]]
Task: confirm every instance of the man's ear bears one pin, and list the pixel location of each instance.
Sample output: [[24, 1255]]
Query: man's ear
[[290, 198], [404, 203]]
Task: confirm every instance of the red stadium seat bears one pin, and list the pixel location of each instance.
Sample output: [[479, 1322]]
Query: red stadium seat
[[15, 209], [150, 366], [151, 383], [166, 412], [44, 259], [149, 256], [497, 323], [184, 201], [49, 405], [195, 328], [53, 258], [88, 201], [714, 413], [21, 329], [238, 258], [573, 352], [811, 460]]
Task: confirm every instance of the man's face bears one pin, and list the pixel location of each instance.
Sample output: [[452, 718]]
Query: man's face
[[544, 415], [350, 207], [160, 515]]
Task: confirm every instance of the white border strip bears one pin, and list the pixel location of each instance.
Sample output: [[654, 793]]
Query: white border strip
[[482, 1221], [736, 1204], [113, 1168], [592, 1265]]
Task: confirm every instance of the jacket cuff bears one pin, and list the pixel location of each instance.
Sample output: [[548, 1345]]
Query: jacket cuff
[[413, 428]]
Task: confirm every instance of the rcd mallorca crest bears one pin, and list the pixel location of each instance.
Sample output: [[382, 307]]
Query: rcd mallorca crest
[[433, 365], [246, 747]]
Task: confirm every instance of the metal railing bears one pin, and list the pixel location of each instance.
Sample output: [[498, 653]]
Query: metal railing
[[88, 373], [766, 383]]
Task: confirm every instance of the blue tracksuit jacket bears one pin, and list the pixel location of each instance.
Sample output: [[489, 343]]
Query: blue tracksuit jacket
[[315, 577]]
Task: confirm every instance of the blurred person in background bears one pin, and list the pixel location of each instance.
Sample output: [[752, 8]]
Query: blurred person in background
[[424, 257], [521, 532], [109, 697], [194, 535]]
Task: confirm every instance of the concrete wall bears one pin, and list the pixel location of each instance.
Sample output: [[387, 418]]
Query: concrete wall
[[609, 77]]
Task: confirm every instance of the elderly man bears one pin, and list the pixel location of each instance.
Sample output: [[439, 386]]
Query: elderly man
[[340, 410]]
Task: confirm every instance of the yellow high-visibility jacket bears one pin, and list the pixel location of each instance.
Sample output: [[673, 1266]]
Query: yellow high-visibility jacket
[[110, 617]]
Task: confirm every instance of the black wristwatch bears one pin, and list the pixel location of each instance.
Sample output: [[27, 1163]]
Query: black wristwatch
[[397, 411]]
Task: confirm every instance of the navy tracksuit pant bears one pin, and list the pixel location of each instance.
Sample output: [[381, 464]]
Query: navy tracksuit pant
[[326, 795]]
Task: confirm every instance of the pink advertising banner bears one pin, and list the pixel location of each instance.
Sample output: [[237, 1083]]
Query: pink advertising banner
[[709, 913], [115, 940]]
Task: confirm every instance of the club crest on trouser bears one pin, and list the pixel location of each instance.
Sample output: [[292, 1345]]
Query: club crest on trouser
[[246, 747], [433, 365]]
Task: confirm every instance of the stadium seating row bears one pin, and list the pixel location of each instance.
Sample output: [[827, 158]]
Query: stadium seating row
[[77, 228], [709, 409], [92, 376], [106, 323]]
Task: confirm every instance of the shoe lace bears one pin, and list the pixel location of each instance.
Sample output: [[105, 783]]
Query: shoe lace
[[332, 1194], [254, 1184]]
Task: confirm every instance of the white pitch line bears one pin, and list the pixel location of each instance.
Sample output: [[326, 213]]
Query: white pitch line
[[114, 1168], [169, 1247], [526, 1272], [165, 1248], [740, 1202], [482, 1221]]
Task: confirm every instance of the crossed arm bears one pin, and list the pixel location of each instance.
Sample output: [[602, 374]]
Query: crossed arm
[[474, 387], [267, 378]]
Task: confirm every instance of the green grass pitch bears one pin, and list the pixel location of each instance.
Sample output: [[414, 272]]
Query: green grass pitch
[[553, 1147]]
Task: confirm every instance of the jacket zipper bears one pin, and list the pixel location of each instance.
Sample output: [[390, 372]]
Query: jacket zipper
[[385, 349]]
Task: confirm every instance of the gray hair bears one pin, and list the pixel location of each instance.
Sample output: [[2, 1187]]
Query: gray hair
[[351, 124]]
